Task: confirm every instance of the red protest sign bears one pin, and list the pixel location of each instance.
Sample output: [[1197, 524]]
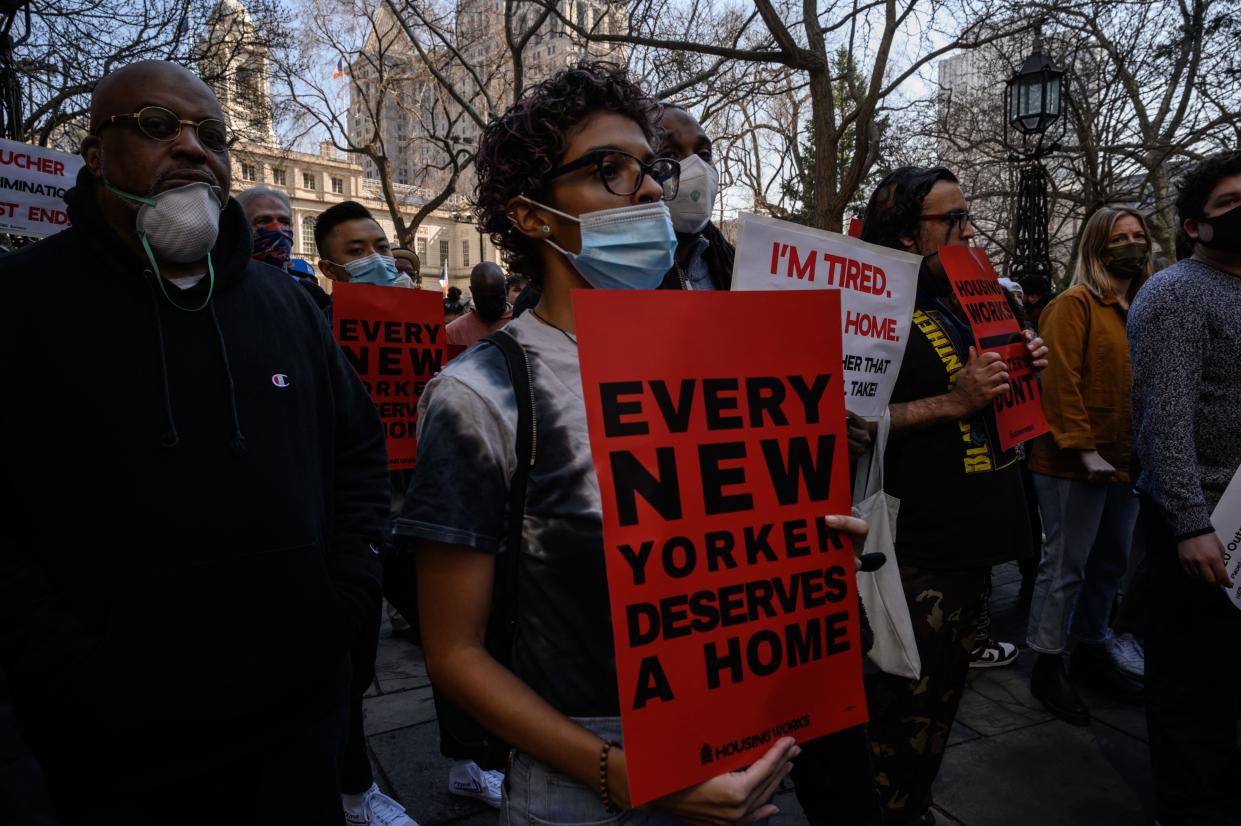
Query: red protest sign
[[734, 614], [394, 338], [1019, 412]]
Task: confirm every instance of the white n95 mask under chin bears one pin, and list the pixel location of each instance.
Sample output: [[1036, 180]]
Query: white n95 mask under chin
[[181, 225], [691, 208]]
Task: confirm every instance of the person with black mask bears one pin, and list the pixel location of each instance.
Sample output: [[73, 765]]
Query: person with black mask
[[1081, 471], [145, 630], [490, 309], [963, 508], [704, 258], [1185, 344]]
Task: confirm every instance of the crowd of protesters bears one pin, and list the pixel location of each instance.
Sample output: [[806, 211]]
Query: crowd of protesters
[[188, 637]]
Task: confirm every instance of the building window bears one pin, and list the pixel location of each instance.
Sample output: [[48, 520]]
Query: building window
[[338, 186], [277, 176], [308, 235], [308, 181], [420, 247], [444, 253], [465, 253], [248, 172]]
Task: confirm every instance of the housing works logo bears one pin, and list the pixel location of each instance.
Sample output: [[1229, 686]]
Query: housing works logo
[[709, 754]]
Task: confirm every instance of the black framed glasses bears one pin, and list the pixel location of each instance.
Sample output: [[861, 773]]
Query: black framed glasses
[[622, 174], [160, 124], [957, 217]]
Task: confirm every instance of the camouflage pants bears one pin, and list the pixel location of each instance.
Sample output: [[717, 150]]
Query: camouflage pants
[[911, 719]]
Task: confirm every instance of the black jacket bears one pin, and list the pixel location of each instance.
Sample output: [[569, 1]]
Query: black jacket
[[718, 257], [216, 551]]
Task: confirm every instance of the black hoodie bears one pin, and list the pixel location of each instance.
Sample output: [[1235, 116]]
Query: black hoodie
[[217, 549]]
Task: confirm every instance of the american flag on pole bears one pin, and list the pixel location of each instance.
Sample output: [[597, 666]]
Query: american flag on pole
[[340, 69], [444, 277]]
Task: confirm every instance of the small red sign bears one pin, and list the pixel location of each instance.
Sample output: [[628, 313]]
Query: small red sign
[[1019, 412], [394, 338]]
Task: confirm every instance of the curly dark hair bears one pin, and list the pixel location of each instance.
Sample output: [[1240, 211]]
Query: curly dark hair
[[1194, 189], [519, 148], [896, 203]]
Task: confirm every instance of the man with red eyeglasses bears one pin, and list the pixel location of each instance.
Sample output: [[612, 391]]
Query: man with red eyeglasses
[[233, 477]]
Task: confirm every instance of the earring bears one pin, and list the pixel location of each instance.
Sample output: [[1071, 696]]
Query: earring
[[546, 229]]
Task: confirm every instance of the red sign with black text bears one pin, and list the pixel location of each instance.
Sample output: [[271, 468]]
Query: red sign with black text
[[394, 338], [1019, 412], [718, 436]]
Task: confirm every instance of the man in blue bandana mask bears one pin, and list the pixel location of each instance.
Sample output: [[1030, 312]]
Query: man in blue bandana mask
[[271, 220]]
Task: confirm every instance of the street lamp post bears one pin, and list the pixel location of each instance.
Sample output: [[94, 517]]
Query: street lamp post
[[1033, 103]]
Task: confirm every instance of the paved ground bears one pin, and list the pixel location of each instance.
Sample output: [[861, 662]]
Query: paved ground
[[1008, 761]]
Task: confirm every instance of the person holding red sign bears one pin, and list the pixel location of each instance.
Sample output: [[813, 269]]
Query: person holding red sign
[[570, 187], [1081, 468], [963, 508]]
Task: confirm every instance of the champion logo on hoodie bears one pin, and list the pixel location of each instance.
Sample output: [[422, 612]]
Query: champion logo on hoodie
[[280, 380]]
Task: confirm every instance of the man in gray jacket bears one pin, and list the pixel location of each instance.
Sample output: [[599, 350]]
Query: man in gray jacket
[[1185, 344]]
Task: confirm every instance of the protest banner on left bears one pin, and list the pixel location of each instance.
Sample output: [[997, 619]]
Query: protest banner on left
[[877, 289], [33, 181], [1019, 412], [734, 614], [394, 338], [1226, 519]]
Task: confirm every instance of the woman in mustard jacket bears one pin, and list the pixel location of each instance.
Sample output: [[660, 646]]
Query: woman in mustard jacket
[[1081, 468]]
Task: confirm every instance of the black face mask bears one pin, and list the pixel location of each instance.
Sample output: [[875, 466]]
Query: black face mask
[[1225, 231], [490, 307], [1126, 261]]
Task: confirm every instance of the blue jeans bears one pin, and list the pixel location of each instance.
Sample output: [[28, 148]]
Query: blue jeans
[[535, 794], [1089, 531]]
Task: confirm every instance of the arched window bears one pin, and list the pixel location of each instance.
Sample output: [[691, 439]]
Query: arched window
[[308, 235]]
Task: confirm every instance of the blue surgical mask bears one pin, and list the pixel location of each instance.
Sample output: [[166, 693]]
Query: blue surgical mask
[[376, 269], [627, 248]]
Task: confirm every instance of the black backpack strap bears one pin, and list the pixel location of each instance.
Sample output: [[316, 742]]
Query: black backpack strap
[[504, 615]]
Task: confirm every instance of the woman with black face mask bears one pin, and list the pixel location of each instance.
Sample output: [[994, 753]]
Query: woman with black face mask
[[1082, 471]]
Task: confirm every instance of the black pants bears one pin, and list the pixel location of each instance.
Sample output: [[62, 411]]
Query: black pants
[[355, 766], [1193, 689], [277, 767], [835, 781], [910, 720]]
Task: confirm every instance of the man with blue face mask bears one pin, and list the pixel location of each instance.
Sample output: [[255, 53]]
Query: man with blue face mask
[[704, 258], [354, 248]]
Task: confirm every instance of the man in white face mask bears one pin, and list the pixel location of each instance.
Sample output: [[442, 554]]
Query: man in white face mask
[[176, 638], [704, 258]]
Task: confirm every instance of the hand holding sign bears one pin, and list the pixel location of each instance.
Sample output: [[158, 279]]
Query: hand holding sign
[[737, 797], [982, 380]]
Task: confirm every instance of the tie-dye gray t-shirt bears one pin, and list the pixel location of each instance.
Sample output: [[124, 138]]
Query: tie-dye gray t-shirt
[[459, 495]]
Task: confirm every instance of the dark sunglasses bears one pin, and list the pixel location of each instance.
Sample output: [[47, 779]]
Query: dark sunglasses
[[622, 174], [959, 217], [159, 124]]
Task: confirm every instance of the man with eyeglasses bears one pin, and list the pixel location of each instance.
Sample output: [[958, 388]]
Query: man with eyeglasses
[[176, 636], [963, 508], [704, 259]]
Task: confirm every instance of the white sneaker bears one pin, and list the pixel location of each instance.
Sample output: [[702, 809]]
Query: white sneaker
[[468, 780], [1127, 655], [374, 808]]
